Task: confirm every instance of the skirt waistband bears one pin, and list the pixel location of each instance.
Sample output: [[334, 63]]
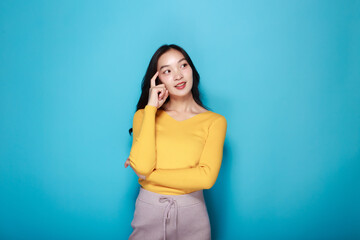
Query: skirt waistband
[[182, 200]]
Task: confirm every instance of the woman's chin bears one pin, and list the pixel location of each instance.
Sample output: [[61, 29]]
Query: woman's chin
[[180, 94]]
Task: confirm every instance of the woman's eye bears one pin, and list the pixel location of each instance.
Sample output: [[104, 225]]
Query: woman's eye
[[166, 71], [184, 65]]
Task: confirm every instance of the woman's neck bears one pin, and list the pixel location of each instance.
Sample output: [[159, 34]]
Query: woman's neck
[[181, 104]]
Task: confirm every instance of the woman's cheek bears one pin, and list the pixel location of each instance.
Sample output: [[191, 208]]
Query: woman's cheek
[[166, 79], [188, 71], [162, 79]]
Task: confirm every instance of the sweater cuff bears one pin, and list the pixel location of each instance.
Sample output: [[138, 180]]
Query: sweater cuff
[[150, 108], [147, 176]]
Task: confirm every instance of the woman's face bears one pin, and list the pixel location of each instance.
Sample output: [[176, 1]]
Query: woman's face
[[173, 70]]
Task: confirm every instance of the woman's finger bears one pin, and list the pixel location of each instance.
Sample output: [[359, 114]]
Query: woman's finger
[[162, 93], [153, 83], [165, 93], [165, 97], [127, 163], [140, 176]]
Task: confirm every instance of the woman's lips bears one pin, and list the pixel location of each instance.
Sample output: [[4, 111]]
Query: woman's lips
[[182, 86]]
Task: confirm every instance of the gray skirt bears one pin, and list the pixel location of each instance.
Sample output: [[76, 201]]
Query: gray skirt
[[170, 217]]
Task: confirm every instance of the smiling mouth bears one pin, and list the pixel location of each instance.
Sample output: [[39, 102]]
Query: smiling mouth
[[180, 86]]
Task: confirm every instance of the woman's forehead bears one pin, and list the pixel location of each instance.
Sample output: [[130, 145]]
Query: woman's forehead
[[170, 57]]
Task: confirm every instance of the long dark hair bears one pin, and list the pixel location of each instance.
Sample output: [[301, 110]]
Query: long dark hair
[[151, 70]]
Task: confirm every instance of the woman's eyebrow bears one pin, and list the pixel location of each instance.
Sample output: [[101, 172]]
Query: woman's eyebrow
[[169, 65]]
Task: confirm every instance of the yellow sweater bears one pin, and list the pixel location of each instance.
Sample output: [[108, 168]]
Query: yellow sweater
[[177, 157]]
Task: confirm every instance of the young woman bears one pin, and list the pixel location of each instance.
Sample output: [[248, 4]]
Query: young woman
[[176, 151]]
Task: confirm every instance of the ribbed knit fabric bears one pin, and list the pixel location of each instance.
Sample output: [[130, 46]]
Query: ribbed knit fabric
[[177, 157]]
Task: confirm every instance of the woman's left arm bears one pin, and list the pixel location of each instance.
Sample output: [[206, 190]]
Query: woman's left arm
[[204, 175]]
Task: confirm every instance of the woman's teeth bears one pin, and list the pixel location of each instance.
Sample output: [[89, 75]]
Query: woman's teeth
[[181, 86]]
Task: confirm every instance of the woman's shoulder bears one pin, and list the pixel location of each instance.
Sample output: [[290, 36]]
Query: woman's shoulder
[[140, 111], [138, 114], [211, 113], [216, 116], [218, 122]]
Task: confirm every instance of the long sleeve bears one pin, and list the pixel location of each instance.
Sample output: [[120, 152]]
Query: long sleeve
[[204, 175], [143, 152]]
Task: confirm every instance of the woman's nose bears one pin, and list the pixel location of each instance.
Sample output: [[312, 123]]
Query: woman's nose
[[178, 74]]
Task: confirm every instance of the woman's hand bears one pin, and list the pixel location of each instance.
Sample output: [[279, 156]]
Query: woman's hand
[[156, 99], [127, 163]]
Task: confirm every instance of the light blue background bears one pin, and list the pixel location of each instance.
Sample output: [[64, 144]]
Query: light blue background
[[285, 74]]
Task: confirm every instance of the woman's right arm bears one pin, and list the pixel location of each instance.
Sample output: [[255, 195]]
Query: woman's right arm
[[143, 153]]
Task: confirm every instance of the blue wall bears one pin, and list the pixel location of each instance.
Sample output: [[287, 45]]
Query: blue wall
[[285, 74]]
